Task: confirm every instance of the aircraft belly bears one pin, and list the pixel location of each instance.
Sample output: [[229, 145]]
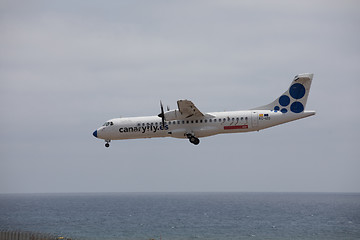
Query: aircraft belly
[[140, 135], [206, 131], [197, 131]]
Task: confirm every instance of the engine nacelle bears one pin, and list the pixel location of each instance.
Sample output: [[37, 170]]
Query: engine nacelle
[[172, 115]]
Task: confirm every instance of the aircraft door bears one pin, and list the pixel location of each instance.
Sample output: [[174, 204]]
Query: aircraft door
[[254, 119]]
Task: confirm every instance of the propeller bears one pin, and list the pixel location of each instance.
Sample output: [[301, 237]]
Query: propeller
[[162, 115]]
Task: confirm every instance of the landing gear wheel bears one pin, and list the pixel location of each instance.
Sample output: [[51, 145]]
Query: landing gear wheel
[[194, 140], [107, 145]]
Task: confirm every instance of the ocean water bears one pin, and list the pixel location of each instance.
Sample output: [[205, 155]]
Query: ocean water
[[185, 215]]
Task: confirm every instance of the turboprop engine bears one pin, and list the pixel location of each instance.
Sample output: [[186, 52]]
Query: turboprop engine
[[169, 115], [172, 115]]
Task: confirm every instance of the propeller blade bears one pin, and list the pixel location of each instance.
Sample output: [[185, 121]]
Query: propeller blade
[[162, 115]]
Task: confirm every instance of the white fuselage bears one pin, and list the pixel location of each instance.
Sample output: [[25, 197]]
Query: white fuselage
[[187, 121], [208, 125]]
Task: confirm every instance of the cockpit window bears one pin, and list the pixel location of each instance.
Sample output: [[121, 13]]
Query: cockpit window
[[108, 124]]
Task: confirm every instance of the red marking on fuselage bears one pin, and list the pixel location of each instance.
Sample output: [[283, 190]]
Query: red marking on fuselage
[[236, 127]]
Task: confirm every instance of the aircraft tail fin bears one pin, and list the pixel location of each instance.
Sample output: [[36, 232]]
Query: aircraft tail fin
[[294, 99]]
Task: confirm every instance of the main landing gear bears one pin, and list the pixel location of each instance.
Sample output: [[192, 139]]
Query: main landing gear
[[194, 140], [107, 144]]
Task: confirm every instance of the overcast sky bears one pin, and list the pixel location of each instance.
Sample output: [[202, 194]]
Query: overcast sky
[[68, 66]]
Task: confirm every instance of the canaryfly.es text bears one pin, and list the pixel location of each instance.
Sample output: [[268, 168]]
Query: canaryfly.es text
[[143, 129]]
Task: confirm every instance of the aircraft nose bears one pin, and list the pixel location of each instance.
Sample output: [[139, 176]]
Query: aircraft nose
[[95, 133]]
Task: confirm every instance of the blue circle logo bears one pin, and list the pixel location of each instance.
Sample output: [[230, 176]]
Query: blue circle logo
[[297, 107], [284, 100], [297, 91], [284, 110]]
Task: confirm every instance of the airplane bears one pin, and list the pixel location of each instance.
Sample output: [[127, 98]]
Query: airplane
[[190, 123]]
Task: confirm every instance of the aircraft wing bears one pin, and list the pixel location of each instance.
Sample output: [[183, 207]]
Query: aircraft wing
[[188, 109]]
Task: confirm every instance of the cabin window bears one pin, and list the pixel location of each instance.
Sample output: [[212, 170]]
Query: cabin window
[[205, 120], [197, 121], [192, 121], [169, 123], [242, 118], [183, 122], [187, 122], [245, 118], [174, 122], [214, 120], [200, 121]]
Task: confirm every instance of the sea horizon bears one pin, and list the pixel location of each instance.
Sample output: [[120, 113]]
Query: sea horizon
[[184, 215]]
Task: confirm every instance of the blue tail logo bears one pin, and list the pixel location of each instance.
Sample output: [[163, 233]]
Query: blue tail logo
[[294, 99]]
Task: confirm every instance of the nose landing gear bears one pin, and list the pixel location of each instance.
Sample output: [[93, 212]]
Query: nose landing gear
[[107, 144], [194, 140]]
